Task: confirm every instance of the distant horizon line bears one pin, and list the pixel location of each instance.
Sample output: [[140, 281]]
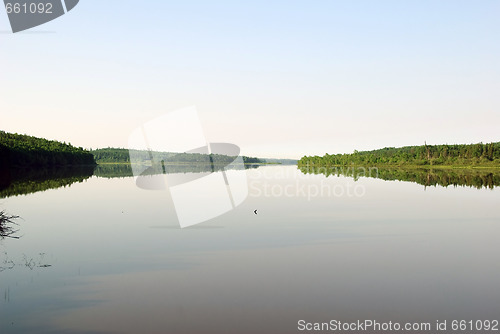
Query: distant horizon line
[[261, 157]]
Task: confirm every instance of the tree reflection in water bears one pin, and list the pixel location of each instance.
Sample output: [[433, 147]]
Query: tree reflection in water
[[463, 177]]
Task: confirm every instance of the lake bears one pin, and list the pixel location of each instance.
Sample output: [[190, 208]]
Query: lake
[[98, 254]]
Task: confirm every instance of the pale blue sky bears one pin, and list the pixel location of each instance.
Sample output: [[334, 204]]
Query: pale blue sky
[[277, 78]]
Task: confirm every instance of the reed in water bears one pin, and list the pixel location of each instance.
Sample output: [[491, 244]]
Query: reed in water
[[7, 228]]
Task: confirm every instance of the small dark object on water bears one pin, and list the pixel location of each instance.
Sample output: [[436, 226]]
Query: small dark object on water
[[255, 211]]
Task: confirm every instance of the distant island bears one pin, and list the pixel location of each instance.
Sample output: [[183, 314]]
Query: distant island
[[461, 155], [122, 155]]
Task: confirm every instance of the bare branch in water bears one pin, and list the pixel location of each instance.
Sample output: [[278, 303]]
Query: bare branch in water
[[28, 262]]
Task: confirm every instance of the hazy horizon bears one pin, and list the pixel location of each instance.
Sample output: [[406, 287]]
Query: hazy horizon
[[279, 79], [273, 157]]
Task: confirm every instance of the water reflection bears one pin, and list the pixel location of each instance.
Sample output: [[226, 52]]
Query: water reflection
[[476, 178], [26, 181], [125, 170], [395, 254]]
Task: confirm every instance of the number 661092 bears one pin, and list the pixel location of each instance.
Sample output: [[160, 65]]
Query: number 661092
[[31, 8]]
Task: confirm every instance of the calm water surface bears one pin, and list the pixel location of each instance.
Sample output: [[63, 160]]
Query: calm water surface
[[103, 256]]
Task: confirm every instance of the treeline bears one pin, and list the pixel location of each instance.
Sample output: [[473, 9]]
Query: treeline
[[122, 155], [252, 160], [27, 151], [432, 155], [112, 155]]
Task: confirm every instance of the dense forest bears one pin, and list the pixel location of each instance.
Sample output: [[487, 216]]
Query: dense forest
[[121, 155], [27, 151], [430, 155]]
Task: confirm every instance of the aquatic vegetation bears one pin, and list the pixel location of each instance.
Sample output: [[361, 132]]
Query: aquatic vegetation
[[7, 225], [26, 262]]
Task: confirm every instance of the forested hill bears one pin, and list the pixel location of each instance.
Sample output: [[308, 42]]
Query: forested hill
[[449, 155], [27, 151], [121, 155]]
